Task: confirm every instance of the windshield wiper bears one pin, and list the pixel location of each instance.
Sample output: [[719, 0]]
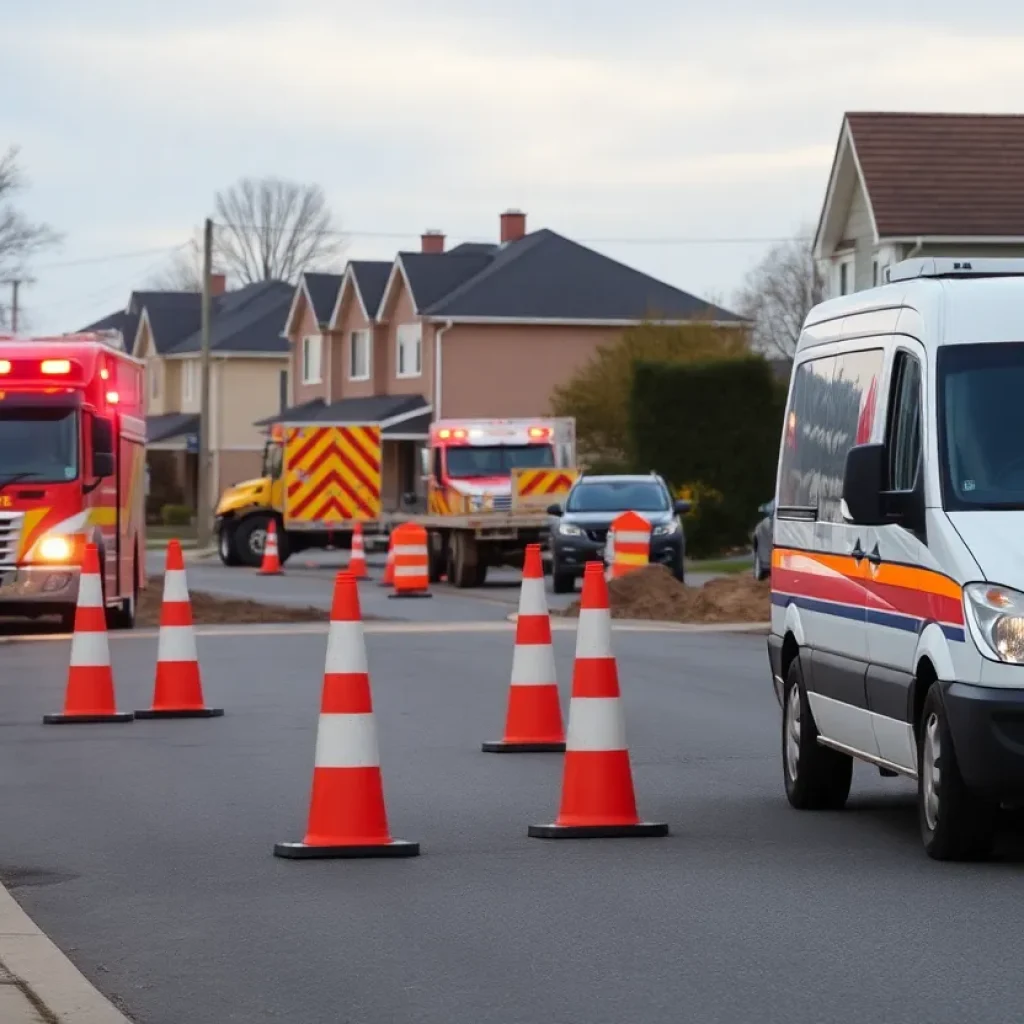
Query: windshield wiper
[[17, 476]]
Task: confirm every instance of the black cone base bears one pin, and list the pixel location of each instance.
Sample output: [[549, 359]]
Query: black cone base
[[512, 747], [300, 851], [414, 593], [642, 829], [184, 713], [117, 716]]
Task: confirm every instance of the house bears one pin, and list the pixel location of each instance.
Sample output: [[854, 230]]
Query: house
[[248, 374], [479, 330], [906, 185]]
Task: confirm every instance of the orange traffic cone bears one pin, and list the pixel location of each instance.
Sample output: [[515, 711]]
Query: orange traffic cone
[[271, 565], [598, 801], [533, 723], [90, 690], [347, 816], [388, 578], [357, 558], [179, 691]]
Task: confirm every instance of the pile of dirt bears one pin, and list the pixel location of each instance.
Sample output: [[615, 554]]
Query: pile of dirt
[[653, 593], [214, 610]]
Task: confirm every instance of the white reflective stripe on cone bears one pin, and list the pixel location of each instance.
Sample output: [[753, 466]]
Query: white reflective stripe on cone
[[90, 649], [346, 648], [411, 570], [532, 599], [632, 537], [347, 741], [533, 665], [175, 586], [411, 550], [595, 723], [594, 633], [176, 643], [90, 591]]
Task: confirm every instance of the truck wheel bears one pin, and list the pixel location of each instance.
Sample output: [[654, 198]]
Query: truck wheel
[[956, 824], [123, 615], [481, 574], [251, 535], [437, 556], [226, 544], [464, 561]]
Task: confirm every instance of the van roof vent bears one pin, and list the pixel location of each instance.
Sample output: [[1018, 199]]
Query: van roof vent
[[948, 266]]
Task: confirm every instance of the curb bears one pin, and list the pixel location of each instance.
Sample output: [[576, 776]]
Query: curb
[[565, 622], [58, 987]]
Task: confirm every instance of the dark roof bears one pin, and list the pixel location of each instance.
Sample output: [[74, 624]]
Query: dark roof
[[372, 278], [170, 425], [126, 323], [545, 276], [419, 425], [172, 316], [323, 294], [465, 248], [247, 320], [375, 409], [432, 276], [942, 174]]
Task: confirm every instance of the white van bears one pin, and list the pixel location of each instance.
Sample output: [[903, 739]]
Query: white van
[[898, 569]]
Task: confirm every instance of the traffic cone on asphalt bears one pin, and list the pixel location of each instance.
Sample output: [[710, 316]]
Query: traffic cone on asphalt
[[178, 692], [271, 565], [357, 558], [533, 722], [388, 578], [347, 816], [89, 696], [598, 801]]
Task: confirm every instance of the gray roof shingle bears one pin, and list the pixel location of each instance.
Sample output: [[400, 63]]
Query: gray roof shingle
[[432, 276], [169, 425], [246, 320], [375, 409], [322, 290], [371, 278]]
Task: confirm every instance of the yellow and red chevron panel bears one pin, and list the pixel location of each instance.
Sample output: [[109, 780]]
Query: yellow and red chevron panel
[[332, 475], [538, 487]]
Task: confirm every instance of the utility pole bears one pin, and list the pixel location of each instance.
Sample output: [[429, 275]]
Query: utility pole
[[203, 498], [15, 283]]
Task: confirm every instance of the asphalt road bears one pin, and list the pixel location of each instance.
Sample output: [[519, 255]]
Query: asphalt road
[[144, 851]]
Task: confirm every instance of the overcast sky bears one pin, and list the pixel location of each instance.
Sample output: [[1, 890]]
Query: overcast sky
[[658, 135]]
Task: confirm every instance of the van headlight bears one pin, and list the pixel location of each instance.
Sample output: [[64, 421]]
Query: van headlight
[[996, 617], [55, 549]]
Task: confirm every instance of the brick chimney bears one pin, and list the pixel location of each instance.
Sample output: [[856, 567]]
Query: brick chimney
[[513, 225], [218, 284], [432, 240]]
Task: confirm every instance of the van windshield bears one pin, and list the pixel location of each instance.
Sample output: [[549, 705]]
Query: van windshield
[[981, 425]]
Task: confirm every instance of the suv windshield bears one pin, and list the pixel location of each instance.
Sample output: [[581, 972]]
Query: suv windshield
[[497, 460], [981, 425], [40, 445], [618, 496]]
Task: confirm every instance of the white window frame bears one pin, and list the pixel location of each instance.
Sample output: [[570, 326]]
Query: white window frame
[[885, 256], [308, 372], [409, 337], [848, 260], [190, 381], [359, 340]]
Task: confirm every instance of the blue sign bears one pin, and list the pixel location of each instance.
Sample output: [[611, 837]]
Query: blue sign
[[192, 444]]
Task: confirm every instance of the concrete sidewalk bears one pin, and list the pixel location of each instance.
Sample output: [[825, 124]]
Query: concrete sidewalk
[[38, 984]]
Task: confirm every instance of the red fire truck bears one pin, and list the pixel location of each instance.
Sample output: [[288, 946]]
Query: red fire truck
[[72, 471]]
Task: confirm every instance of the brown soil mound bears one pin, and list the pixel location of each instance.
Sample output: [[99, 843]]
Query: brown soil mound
[[654, 593], [213, 610]]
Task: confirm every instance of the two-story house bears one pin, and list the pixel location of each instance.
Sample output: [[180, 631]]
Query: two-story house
[[479, 330], [906, 185], [248, 374]]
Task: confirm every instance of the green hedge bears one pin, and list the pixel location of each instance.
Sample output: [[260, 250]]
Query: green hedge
[[712, 430]]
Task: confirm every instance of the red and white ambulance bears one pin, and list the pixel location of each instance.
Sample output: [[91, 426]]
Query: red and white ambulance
[[72, 471]]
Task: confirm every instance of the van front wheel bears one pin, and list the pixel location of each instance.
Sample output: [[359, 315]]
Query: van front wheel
[[956, 824], [817, 778]]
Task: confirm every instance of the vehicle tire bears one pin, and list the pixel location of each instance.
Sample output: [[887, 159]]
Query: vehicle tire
[[956, 823], [250, 536], [463, 572], [226, 544], [760, 572], [679, 570], [437, 560], [561, 582], [480, 576], [817, 778], [123, 615]]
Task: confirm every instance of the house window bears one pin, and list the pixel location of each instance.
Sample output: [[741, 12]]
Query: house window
[[410, 351], [359, 356], [312, 347], [845, 284], [190, 381]]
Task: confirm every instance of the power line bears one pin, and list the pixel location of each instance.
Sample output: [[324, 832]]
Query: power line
[[164, 249]]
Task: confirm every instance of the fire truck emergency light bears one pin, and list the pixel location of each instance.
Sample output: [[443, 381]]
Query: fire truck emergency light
[[54, 367]]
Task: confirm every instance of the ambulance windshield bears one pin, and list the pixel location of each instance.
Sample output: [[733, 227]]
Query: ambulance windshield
[[497, 460], [38, 444]]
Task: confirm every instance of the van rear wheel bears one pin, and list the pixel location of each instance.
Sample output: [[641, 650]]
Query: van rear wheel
[[817, 778]]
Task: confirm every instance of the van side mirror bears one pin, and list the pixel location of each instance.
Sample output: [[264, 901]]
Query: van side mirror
[[102, 447], [863, 482], [554, 510], [682, 507]]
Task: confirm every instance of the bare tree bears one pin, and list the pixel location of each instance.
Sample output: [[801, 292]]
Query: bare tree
[[271, 229], [183, 272], [20, 238], [778, 293]]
